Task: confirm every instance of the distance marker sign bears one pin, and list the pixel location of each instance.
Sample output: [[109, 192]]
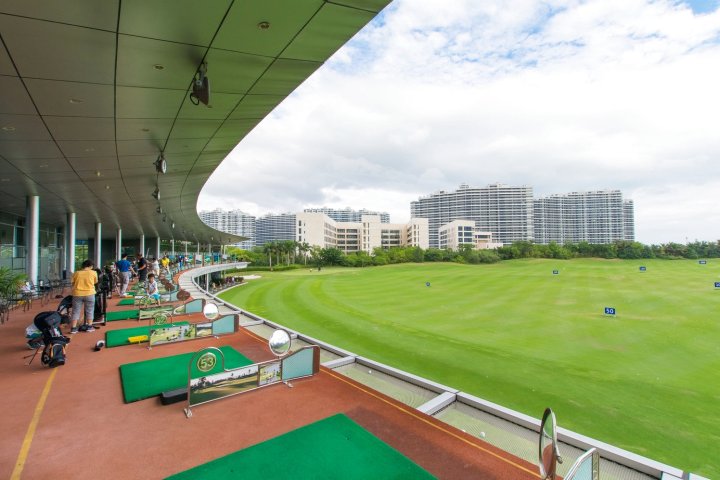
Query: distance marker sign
[[643, 269], [556, 272], [717, 284], [609, 310]]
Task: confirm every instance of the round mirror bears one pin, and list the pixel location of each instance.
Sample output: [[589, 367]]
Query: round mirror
[[183, 295], [211, 311], [548, 456], [280, 342]]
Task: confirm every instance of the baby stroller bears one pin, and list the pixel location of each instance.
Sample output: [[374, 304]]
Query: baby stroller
[[53, 354]]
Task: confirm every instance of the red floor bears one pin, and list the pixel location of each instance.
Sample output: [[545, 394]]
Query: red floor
[[85, 431]]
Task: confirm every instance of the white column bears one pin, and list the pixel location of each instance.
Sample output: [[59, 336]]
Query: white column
[[157, 248], [98, 245], [142, 244], [172, 247], [70, 244], [118, 244], [32, 238]]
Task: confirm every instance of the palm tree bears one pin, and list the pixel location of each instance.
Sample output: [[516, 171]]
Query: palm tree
[[303, 248], [269, 248]]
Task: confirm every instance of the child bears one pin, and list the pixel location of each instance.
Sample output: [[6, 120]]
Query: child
[[152, 288]]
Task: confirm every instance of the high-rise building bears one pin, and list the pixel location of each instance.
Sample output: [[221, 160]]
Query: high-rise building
[[505, 211], [274, 228], [348, 215], [595, 217], [318, 229], [235, 222]]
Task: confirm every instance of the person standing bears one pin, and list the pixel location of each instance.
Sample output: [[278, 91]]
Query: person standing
[[124, 267], [83, 296], [142, 269]]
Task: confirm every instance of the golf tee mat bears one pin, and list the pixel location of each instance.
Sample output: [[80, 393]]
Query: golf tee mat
[[152, 377], [333, 448], [116, 338]]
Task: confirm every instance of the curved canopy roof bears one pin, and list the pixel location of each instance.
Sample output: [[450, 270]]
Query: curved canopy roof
[[93, 91]]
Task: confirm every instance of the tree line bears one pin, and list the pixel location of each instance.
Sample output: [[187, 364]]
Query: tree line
[[290, 254]]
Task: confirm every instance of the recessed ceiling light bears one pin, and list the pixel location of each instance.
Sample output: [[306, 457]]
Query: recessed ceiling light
[[43, 165], [98, 173], [75, 100], [263, 25], [157, 66], [107, 187], [8, 128]]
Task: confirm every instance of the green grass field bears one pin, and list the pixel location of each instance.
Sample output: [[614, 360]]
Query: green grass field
[[646, 380]]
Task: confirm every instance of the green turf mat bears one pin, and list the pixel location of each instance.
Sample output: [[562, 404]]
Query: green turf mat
[[152, 377], [121, 315], [126, 301], [335, 447], [116, 338]]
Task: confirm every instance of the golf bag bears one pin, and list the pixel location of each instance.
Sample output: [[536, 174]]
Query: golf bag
[[48, 323], [64, 309]]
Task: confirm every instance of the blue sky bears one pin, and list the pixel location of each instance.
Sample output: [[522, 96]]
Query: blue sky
[[563, 95]]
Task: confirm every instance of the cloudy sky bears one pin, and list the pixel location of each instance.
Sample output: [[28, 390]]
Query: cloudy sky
[[562, 95]]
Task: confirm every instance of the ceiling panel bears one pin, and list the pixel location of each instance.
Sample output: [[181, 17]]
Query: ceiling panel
[[154, 63], [88, 13], [236, 128], [22, 127], [329, 30], [143, 128], [14, 98], [233, 72], [6, 66], [62, 52], [184, 21], [111, 125], [93, 163], [256, 106], [136, 102], [140, 147], [86, 148], [284, 76], [81, 128], [30, 149], [219, 107], [71, 99], [240, 31]]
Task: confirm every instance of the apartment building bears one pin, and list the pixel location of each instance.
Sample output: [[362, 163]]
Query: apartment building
[[453, 235], [274, 227], [348, 214], [506, 211], [235, 222], [318, 229], [601, 216]]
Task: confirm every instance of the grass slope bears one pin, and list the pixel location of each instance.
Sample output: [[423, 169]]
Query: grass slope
[[647, 380]]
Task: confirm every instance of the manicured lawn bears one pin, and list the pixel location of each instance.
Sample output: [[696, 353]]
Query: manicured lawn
[[646, 380]]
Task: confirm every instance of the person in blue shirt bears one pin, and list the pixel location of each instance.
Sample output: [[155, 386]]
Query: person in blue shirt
[[124, 267]]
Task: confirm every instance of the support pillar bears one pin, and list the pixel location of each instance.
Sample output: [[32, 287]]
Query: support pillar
[[32, 238], [69, 244], [158, 255], [98, 245], [142, 244], [118, 244]]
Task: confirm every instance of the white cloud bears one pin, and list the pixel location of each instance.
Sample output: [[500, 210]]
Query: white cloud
[[561, 95]]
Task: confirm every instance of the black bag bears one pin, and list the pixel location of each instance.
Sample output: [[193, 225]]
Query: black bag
[[53, 354]]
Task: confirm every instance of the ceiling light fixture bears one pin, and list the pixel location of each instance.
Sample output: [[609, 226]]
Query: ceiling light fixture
[[172, 225], [97, 173], [159, 210], [200, 86], [263, 25], [8, 128], [157, 66], [156, 193], [75, 100], [161, 164], [107, 187]]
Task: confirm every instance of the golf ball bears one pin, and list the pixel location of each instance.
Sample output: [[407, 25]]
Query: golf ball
[[482, 434]]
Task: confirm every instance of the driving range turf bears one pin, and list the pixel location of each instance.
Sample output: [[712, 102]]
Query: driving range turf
[[646, 380]]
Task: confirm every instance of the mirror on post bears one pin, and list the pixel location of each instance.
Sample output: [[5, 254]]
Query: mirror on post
[[548, 456], [587, 467], [280, 342], [211, 311]]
